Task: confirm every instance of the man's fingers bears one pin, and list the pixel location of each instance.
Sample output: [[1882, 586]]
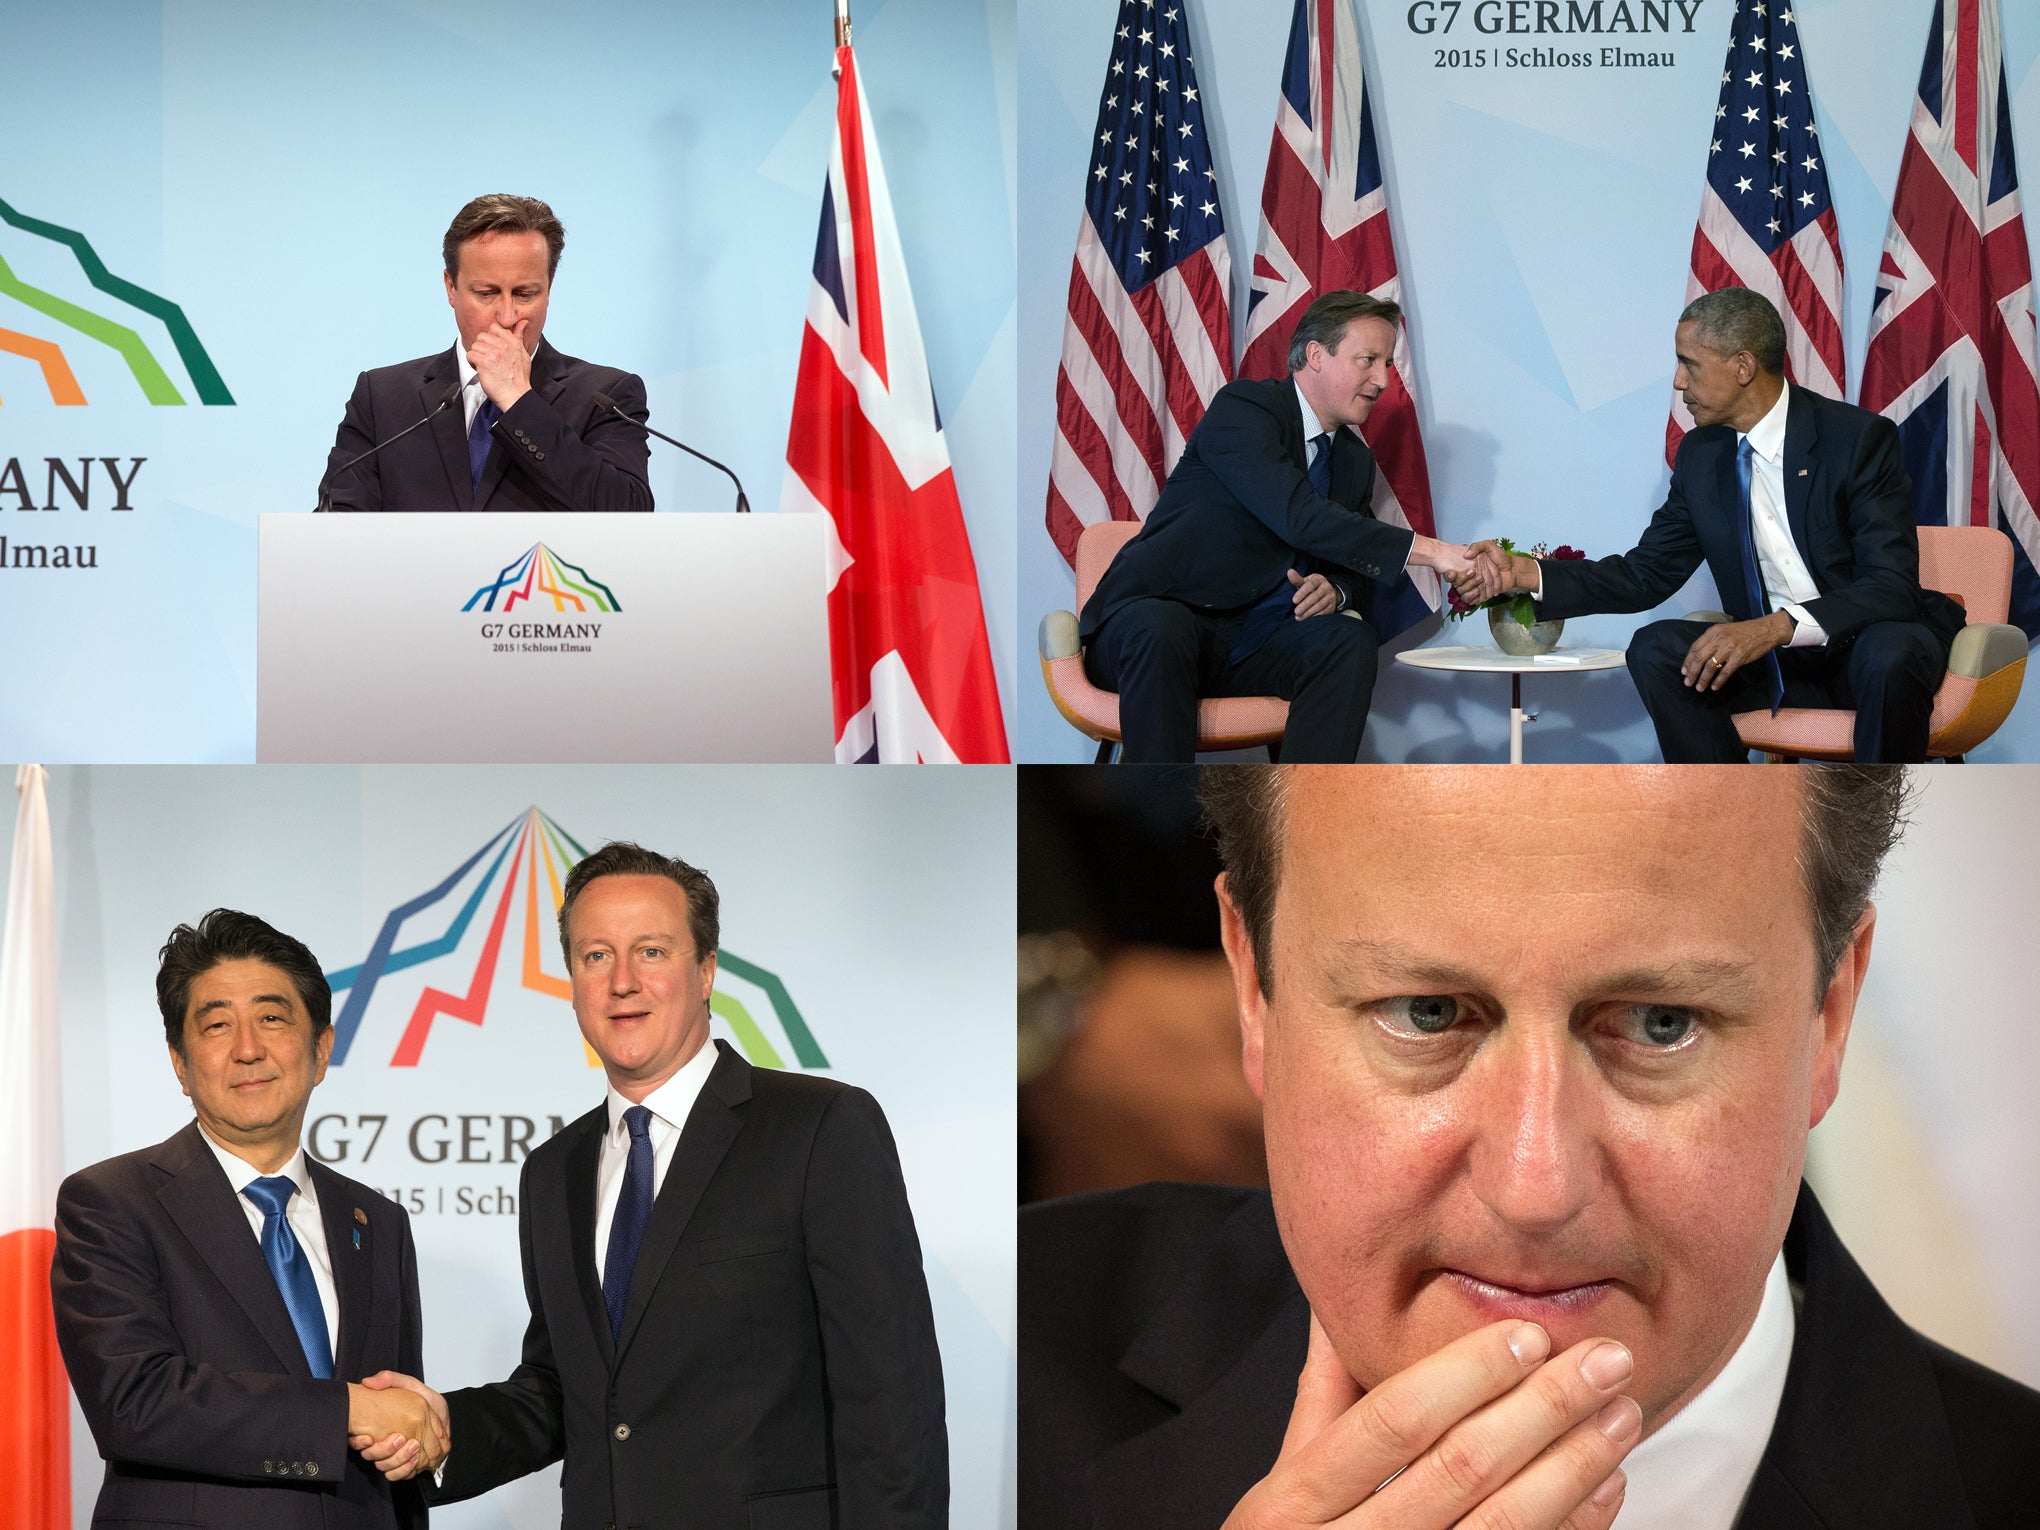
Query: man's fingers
[[1324, 1390], [1296, 579], [1601, 1507], [1559, 1487], [1481, 1453], [1399, 1420]]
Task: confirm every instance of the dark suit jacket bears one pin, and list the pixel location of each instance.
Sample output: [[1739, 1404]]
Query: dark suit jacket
[[777, 1367], [1847, 500], [185, 1361], [1239, 508], [553, 449], [1161, 1333]]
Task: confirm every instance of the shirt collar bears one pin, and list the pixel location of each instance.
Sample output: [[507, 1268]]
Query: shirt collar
[[672, 1100], [241, 1173], [1694, 1473], [1313, 427], [1767, 436]]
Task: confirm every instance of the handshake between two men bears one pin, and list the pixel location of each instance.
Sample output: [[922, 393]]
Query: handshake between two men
[[1797, 504], [398, 1424]]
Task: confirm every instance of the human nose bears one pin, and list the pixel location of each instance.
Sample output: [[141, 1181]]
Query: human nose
[[248, 1043], [1536, 1158], [623, 976], [505, 313]]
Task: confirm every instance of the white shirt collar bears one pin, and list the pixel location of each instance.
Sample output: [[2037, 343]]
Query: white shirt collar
[[1694, 1473], [241, 1173], [1767, 436], [1313, 427], [672, 1100]]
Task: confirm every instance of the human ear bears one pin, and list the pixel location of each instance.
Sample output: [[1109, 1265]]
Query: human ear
[[1246, 977], [1837, 1013]]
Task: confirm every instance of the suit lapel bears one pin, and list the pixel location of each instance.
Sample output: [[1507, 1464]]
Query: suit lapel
[[583, 1163], [1224, 1349], [449, 428], [202, 1204], [1802, 435], [353, 1265], [1859, 1399], [712, 1125]]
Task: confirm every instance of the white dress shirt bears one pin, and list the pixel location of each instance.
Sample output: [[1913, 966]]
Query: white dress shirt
[[669, 1105], [1787, 581], [1694, 1473], [301, 1212]]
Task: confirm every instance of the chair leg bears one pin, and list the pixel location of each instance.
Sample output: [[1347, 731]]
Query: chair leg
[[1105, 747]]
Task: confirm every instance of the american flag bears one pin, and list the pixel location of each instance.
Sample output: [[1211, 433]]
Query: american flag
[[1951, 356], [1148, 338], [912, 668], [1324, 226], [1766, 220]]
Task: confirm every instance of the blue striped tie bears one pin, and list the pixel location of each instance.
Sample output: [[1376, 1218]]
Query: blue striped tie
[[293, 1271], [1753, 587], [478, 440], [633, 1211]]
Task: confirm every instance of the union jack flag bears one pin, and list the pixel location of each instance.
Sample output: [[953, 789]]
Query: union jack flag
[[1148, 337], [1766, 220], [1951, 356], [1324, 226], [912, 667]]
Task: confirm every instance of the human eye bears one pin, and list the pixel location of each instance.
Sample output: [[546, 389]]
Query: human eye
[[1428, 1014], [1660, 1027]]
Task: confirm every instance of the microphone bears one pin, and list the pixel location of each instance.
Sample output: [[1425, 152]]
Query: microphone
[[604, 401], [446, 398]]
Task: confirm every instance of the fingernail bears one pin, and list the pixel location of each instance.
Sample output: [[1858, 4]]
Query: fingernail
[[1529, 1343], [1607, 1364], [1619, 1420], [1610, 1490]]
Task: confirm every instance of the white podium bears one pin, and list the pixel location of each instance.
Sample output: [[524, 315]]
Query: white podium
[[542, 638]]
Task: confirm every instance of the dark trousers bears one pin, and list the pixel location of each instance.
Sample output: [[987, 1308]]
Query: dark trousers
[[1160, 656], [1887, 672]]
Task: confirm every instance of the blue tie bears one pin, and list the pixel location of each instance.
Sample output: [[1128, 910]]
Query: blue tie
[[478, 441], [633, 1211], [293, 1271], [1753, 587], [1266, 616]]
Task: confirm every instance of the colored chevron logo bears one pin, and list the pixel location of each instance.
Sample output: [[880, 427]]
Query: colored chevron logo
[[529, 839], [148, 372], [541, 571]]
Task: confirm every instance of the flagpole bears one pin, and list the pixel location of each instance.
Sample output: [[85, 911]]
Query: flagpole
[[842, 23]]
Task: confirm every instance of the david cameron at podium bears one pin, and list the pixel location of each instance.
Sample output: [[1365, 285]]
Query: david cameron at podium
[[501, 421]]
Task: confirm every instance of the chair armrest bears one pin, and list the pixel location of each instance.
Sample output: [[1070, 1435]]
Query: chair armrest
[[1057, 638], [1984, 648], [1706, 616]]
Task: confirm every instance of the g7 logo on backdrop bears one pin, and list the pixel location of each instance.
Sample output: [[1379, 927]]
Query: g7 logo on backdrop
[[528, 841], [1530, 17]]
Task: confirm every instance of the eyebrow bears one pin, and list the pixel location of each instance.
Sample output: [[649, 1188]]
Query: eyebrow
[[1729, 982], [280, 1000]]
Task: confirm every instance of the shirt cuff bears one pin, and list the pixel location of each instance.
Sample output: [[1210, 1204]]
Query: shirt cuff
[[1806, 632], [1537, 589]]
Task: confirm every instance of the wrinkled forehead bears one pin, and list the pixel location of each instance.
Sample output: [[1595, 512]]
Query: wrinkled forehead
[[1630, 848]]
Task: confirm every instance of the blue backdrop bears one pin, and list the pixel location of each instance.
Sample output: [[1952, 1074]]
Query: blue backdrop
[[1543, 220], [284, 174]]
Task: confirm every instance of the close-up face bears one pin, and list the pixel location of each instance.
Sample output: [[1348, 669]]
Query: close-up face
[[640, 990], [250, 1061], [502, 279], [1346, 380], [1541, 1045], [1711, 383]]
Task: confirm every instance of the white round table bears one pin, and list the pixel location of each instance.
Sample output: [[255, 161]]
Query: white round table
[[1485, 658]]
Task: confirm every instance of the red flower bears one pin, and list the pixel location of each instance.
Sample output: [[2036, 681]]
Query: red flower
[[1459, 607], [1562, 554]]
